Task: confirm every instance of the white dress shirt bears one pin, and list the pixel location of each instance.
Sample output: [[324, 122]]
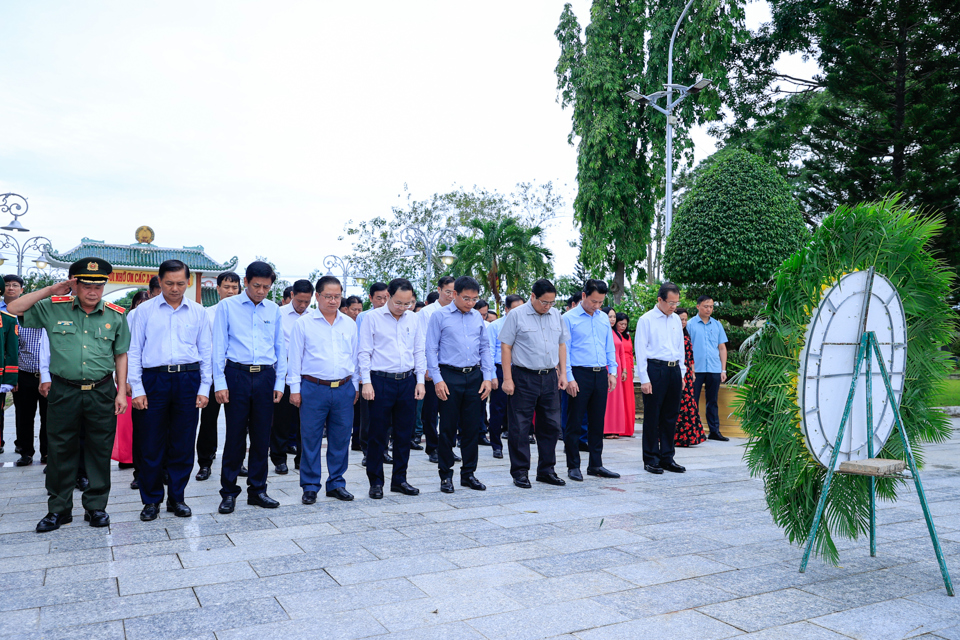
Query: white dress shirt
[[424, 314], [392, 345], [288, 318], [323, 350], [658, 337]]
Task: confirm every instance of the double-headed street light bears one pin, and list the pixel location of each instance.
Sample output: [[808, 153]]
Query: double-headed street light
[[346, 267], [430, 240], [17, 205], [667, 110]]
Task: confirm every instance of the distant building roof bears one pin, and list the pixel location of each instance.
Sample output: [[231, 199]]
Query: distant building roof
[[139, 256], [209, 296]]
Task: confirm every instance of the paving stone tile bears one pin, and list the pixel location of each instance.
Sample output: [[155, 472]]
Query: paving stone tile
[[679, 545], [24, 549], [570, 587], [112, 569], [279, 534], [455, 630], [118, 608], [668, 570], [500, 535], [549, 620], [891, 620], [47, 560], [22, 622], [322, 626], [577, 562], [770, 609], [795, 631], [177, 529], [164, 580], [286, 583], [866, 588], [390, 568], [663, 598], [22, 579], [683, 625], [477, 556], [426, 612], [334, 556], [306, 605], [474, 579], [407, 547], [180, 545], [953, 633], [112, 539], [100, 631], [592, 540], [226, 555], [13, 599], [206, 620]]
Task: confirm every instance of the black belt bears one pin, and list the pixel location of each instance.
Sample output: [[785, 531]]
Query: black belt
[[333, 384], [392, 376], [539, 372], [175, 368], [249, 368], [594, 369], [459, 369], [666, 363], [84, 386]]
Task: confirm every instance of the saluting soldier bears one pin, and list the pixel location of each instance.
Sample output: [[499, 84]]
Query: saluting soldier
[[89, 339]]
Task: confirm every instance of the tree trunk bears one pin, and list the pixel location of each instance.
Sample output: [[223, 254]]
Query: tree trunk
[[618, 278]]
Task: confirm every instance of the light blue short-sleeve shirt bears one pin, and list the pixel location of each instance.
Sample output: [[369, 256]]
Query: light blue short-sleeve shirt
[[706, 338]]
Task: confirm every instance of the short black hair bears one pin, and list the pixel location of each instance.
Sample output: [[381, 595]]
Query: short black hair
[[12, 277], [288, 293], [513, 297], [228, 276], [302, 286], [621, 316], [444, 281], [432, 297], [154, 283], [343, 303], [493, 312], [543, 286], [668, 287], [138, 297], [172, 266], [353, 300], [377, 287], [606, 310], [324, 281], [399, 284], [682, 310], [465, 283], [591, 286], [574, 299], [420, 305], [481, 303], [702, 298], [260, 269]]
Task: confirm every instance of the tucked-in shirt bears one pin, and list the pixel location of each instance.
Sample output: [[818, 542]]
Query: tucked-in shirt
[[534, 339], [658, 337], [493, 332], [591, 341], [248, 333], [288, 318], [391, 345], [162, 336], [458, 339], [45, 359], [323, 350], [211, 316], [706, 338]]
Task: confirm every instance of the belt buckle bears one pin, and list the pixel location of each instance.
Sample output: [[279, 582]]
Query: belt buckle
[[86, 387], [671, 363], [173, 368], [596, 369], [254, 368], [334, 384]]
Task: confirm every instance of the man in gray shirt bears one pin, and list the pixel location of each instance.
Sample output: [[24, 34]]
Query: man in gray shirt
[[533, 343]]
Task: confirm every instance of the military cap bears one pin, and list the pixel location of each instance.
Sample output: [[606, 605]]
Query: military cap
[[91, 270]]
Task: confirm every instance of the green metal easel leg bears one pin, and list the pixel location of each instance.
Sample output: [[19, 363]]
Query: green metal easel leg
[[873, 481], [913, 468], [861, 353]]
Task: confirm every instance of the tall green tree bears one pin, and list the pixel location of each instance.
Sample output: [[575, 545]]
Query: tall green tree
[[620, 143]]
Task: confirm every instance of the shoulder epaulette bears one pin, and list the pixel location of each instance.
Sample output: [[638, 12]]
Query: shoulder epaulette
[[4, 311], [61, 298], [115, 307]]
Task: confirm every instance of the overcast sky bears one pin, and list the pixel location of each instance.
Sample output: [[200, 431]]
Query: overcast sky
[[260, 128]]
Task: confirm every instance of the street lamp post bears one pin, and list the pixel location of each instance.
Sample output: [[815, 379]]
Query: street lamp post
[[17, 208], [429, 239], [346, 268], [667, 110]]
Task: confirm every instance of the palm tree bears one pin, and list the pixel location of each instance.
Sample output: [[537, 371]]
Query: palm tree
[[501, 252]]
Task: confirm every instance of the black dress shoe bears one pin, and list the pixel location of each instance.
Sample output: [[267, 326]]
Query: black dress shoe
[[296, 464], [574, 474], [498, 453], [135, 484], [718, 436], [16, 449], [179, 509], [446, 485], [386, 458], [405, 488], [282, 469], [262, 500], [203, 474], [43, 459], [150, 512], [471, 482], [376, 491], [533, 439], [293, 450], [433, 458], [364, 461], [83, 484], [340, 493], [416, 446], [673, 467], [243, 473], [24, 461], [552, 478], [309, 497], [602, 472], [652, 468], [457, 458], [484, 441], [523, 482], [53, 521], [97, 517], [227, 505], [356, 447]]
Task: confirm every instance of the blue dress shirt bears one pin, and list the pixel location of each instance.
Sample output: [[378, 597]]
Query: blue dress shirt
[[706, 338], [390, 344], [493, 332], [591, 341], [248, 334], [161, 335], [323, 350], [458, 339]]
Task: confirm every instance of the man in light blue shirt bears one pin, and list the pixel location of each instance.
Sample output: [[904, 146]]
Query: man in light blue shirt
[[249, 369], [591, 375], [169, 372], [498, 399], [709, 341], [461, 366]]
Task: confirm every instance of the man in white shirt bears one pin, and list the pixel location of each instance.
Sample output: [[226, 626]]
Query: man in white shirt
[[391, 354], [430, 412], [285, 432], [324, 383], [361, 418], [659, 346]]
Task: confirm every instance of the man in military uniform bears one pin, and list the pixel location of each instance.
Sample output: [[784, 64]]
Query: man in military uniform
[[89, 339]]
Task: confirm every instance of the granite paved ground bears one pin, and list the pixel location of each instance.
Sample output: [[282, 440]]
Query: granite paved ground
[[674, 556]]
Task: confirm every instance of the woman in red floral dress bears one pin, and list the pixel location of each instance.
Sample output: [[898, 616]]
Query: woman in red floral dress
[[689, 428]]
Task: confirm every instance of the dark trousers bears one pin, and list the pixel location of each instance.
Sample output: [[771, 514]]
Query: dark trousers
[[136, 421], [591, 400], [207, 434], [428, 416], [73, 413], [534, 395], [168, 430], [27, 400], [358, 441], [250, 405], [660, 411], [713, 390], [286, 422], [393, 405], [461, 410], [323, 405], [498, 412]]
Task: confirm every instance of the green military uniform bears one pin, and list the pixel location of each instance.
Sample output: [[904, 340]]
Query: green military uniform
[[9, 348], [82, 393]]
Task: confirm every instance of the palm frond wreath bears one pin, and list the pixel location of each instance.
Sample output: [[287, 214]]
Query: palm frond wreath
[[896, 240]]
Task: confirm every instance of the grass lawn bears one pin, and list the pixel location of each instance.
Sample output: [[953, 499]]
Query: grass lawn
[[950, 396]]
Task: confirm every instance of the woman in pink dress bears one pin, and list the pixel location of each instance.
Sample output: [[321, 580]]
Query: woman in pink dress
[[123, 443], [615, 419], [626, 373]]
